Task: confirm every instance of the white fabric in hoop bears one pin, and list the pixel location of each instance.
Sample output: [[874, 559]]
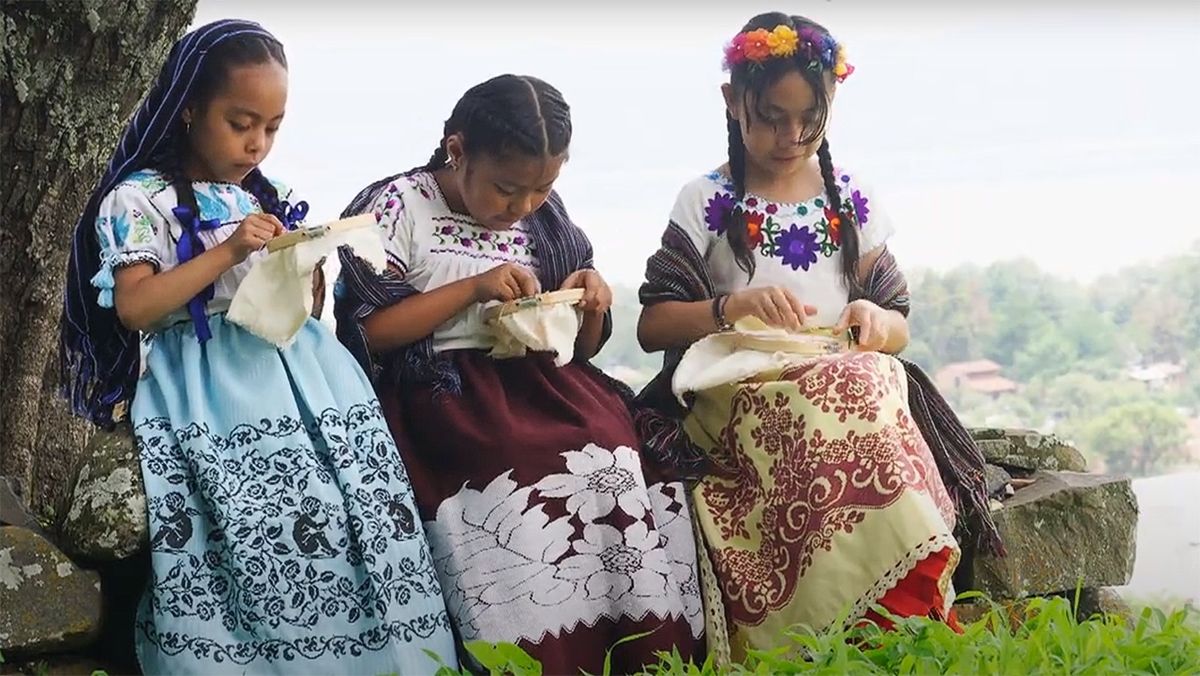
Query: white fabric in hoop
[[275, 298], [549, 323], [750, 349]]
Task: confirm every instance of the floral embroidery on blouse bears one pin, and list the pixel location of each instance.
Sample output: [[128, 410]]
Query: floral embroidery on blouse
[[151, 181], [214, 198], [776, 229], [513, 242], [422, 189], [128, 228]]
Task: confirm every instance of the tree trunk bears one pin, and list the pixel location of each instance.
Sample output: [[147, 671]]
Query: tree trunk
[[71, 73]]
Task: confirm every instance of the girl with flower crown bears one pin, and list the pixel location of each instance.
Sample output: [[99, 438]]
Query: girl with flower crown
[[826, 485], [283, 537], [548, 529]]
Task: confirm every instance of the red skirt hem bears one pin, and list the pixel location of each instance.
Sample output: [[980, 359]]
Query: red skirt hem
[[919, 594]]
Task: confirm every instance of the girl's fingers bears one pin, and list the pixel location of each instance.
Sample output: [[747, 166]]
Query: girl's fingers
[[798, 309], [789, 318], [866, 333], [770, 314]]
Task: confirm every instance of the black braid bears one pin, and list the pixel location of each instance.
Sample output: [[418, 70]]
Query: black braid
[[508, 114], [848, 227], [556, 114], [735, 229], [264, 190], [495, 117], [439, 159], [170, 164]]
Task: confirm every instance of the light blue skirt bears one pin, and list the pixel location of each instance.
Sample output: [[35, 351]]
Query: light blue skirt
[[284, 537]]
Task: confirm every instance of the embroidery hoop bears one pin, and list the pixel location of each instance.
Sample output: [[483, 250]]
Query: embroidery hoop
[[495, 312], [814, 341], [304, 234]]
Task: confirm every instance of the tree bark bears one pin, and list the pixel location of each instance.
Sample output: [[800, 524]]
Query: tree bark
[[71, 73]]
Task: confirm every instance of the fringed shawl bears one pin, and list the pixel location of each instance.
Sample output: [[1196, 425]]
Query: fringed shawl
[[677, 272], [98, 356]]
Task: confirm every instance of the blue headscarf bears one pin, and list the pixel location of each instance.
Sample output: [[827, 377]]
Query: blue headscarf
[[98, 355]]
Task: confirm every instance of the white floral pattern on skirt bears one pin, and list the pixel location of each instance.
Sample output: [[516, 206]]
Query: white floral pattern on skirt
[[510, 571]]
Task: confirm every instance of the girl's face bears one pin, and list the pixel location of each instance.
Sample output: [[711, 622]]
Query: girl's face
[[776, 125], [498, 192], [234, 132]]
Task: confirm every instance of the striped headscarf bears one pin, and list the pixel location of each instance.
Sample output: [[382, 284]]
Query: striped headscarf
[[98, 355]]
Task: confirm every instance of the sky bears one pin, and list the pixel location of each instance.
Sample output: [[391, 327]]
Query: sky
[[1066, 134]]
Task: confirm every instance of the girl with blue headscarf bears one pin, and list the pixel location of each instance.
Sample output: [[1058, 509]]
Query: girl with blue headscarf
[[283, 536]]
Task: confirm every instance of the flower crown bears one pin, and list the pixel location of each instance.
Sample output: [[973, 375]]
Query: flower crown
[[756, 46]]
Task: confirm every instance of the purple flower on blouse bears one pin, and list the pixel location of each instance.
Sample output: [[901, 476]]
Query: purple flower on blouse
[[447, 229], [798, 247], [503, 247], [518, 240], [465, 242], [485, 236], [861, 212], [718, 212]]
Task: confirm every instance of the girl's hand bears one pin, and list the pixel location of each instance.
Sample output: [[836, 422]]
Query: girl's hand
[[871, 321], [597, 297], [504, 283], [774, 305], [252, 234]]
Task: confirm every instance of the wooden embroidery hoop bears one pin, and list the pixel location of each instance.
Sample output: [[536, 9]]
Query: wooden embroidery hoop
[[570, 296], [814, 341], [303, 234]]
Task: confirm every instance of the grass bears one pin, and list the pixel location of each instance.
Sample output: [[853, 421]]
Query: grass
[[1044, 637]]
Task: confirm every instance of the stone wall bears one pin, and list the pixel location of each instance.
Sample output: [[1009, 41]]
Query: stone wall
[[1066, 531]]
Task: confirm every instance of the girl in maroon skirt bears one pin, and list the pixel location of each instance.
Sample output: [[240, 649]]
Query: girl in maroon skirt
[[548, 528]]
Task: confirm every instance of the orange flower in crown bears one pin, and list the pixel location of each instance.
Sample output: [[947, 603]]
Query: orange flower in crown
[[759, 45]]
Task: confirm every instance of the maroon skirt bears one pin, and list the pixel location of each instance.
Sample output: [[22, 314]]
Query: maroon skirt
[[548, 529]]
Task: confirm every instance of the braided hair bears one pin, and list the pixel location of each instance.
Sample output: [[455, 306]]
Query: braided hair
[[505, 115], [750, 82], [242, 50]]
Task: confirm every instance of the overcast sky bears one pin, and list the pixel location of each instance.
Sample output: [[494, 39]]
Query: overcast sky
[[1065, 135]]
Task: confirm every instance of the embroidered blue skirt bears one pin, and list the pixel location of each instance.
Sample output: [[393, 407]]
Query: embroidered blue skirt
[[284, 537]]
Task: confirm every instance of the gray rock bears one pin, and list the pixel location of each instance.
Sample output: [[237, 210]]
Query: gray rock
[[13, 511], [1102, 601], [1062, 531], [62, 665], [986, 433], [106, 518], [998, 481], [1028, 450], [47, 604]]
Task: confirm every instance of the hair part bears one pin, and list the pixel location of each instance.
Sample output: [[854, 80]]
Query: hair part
[[508, 114], [750, 82]]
